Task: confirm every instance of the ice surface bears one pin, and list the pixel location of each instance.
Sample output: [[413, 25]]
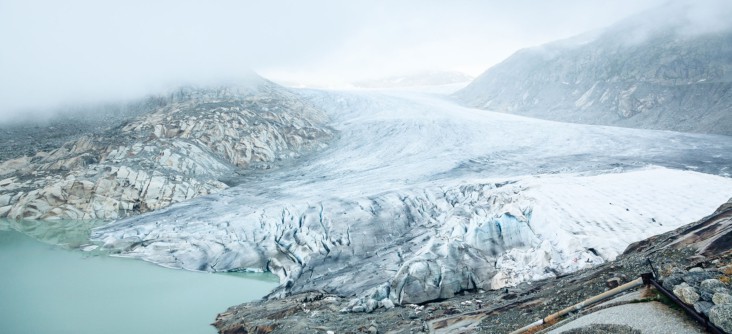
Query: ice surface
[[418, 199]]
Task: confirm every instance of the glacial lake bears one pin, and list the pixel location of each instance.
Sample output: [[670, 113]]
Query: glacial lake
[[46, 288]]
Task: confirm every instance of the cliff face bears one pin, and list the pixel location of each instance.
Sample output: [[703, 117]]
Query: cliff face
[[635, 74], [187, 145]]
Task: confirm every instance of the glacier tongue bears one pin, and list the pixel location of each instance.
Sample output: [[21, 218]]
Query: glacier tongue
[[420, 199], [425, 243]]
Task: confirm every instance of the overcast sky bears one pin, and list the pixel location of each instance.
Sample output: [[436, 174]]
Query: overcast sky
[[74, 51]]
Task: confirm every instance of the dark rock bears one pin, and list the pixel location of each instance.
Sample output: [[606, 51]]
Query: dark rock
[[703, 307], [510, 296], [613, 282], [709, 287], [675, 279], [695, 278], [711, 284]]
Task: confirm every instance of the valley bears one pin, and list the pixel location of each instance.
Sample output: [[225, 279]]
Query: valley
[[419, 199]]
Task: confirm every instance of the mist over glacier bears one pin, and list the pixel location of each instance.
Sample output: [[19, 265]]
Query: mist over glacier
[[416, 188], [84, 51], [349, 170]]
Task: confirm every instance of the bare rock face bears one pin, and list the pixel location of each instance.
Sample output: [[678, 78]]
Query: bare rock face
[[188, 145], [637, 73]]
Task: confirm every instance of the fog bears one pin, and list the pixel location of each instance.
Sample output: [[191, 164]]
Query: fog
[[81, 51]]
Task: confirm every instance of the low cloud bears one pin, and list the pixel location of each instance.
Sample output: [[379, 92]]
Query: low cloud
[[85, 51]]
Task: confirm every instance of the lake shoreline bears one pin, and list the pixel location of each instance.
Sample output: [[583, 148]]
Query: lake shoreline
[[48, 288]]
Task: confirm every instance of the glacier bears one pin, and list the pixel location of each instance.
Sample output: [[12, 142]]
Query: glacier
[[417, 199]]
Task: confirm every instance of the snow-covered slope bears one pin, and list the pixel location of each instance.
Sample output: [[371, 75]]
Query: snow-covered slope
[[418, 199]]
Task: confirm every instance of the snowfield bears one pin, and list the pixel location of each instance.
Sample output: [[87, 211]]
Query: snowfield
[[419, 198]]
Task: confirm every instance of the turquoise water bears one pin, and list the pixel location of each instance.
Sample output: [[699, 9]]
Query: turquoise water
[[45, 288]]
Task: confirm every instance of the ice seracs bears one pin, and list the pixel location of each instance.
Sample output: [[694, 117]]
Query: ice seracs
[[418, 199]]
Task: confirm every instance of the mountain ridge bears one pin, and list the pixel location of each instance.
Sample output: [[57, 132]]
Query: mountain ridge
[[632, 74], [191, 142]]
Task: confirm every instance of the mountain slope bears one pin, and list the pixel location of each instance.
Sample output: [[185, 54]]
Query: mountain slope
[[419, 199], [638, 73], [191, 143]]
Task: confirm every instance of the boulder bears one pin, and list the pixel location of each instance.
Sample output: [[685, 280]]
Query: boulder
[[673, 280], [694, 278], [709, 287], [703, 307], [721, 316], [613, 282], [686, 293], [721, 299]]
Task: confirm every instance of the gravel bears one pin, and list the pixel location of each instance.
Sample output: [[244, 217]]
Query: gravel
[[648, 318]]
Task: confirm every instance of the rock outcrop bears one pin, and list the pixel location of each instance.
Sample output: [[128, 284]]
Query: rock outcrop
[[638, 73], [192, 143]]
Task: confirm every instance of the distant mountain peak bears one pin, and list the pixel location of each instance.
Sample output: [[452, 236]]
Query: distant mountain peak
[[644, 71]]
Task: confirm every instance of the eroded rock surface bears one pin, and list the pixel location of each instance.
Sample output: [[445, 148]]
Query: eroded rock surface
[[192, 143]]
